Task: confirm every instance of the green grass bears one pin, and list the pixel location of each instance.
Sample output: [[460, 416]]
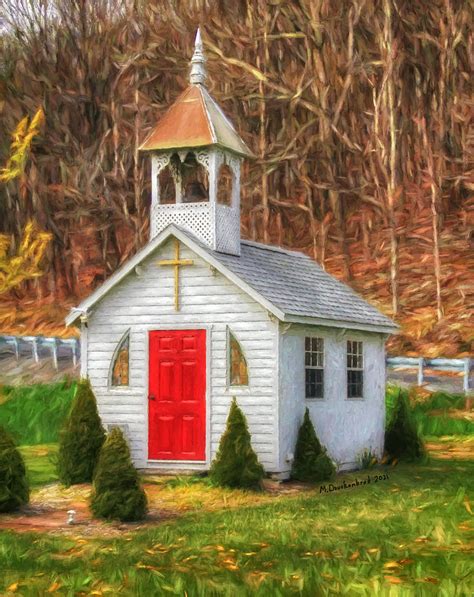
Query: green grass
[[40, 462], [437, 424], [410, 530], [409, 535], [34, 414]]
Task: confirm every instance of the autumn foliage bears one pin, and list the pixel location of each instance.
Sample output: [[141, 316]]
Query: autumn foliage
[[25, 264], [358, 113]]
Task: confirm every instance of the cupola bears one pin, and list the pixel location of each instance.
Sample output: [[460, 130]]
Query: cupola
[[196, 155]]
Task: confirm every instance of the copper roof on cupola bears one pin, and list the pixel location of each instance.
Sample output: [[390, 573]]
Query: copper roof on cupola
[[195, 119]]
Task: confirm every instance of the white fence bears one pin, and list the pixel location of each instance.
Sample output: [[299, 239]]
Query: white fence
[[38, 347], [420, 364]]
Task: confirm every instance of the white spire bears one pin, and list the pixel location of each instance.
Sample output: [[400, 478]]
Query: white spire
[[198, 70]]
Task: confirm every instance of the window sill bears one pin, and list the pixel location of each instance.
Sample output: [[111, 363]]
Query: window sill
[[239, 389]]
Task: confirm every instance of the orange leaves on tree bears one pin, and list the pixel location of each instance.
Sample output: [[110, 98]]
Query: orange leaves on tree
[[25, 264], [22, 138]]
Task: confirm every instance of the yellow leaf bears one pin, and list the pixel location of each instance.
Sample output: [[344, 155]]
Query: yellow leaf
[[54, 587], [373, 550], [467, 504], [13, 588], [391, 565]]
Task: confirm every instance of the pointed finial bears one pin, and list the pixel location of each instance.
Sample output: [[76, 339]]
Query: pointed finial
[[198, 70]]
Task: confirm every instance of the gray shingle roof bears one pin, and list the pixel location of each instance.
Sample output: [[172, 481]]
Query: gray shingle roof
[[297, 285], [289, 281]]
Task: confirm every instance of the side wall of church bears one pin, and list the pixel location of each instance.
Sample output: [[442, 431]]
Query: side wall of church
[[144, 301], [345, 426]]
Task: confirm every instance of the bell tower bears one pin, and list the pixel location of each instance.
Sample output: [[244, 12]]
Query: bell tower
[[196, 155]]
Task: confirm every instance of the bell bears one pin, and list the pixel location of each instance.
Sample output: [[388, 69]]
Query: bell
[[195, 192]]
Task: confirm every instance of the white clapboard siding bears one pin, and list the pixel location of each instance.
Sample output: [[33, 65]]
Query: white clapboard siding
[[346, 427], [208, 300]]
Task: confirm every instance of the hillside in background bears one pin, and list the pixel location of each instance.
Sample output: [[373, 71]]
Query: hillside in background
[[358, 113]]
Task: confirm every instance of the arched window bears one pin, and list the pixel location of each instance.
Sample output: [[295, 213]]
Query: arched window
[[119, 370], [238, 372], [167, 187], [224, 185], [195, 183]]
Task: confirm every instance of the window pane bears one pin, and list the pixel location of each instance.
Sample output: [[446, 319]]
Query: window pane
[[120, 366], [238, 374], [314, 383], [354, 384]]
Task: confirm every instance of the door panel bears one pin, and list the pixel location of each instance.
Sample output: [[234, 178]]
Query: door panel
[[177, 395]]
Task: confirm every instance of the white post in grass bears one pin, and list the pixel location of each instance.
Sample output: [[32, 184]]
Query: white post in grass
[[467, 393], [420, 371], [54, 352], [35, 350]]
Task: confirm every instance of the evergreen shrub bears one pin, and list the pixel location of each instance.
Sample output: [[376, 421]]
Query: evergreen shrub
[[14, 490], [81, 438], [402, 439], [117, 493], [236, 464], [311, 462]]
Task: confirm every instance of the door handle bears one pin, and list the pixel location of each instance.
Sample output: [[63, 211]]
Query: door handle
[[151, 397]]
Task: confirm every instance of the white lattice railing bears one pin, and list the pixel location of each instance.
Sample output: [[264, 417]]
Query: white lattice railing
[[195, 217]]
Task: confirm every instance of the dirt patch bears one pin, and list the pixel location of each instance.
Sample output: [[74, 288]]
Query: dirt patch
[[49, 506]]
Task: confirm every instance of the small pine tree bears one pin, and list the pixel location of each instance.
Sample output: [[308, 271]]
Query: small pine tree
[[117, 493], [14, 490], [402, 439], [81, 438], [236, 464], [311, 462]]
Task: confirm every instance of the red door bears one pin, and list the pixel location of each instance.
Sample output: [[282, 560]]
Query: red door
[[177, 395]]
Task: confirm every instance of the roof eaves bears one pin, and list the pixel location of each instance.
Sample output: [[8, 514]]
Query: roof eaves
[[171, 230], [339, 323]]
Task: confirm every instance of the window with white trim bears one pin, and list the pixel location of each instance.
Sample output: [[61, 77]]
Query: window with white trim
[[355, 369], [314, 367]]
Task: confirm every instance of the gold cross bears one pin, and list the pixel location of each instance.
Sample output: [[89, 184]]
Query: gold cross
[[176, 263]]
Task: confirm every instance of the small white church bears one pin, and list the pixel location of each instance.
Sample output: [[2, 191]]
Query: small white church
[[199, 316]]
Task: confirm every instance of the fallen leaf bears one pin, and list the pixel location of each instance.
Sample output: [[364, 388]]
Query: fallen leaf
[[390, 565], [13, 588], [354, 556], [464, 526], [467, 504], [431, 579], [373, 550], [54, 587], [394, 580], [406, 561]]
